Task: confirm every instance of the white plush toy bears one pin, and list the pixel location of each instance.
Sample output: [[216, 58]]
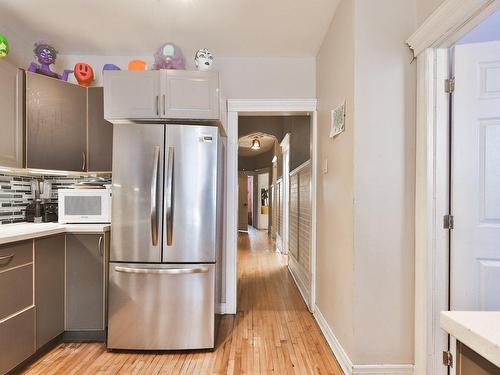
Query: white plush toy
[[204, 60]]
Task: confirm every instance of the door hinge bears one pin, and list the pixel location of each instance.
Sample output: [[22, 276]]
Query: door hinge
[[449, 85], [448, 221], [447, 358]]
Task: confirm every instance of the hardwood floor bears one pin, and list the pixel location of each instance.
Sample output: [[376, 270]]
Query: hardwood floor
[[272, 333]]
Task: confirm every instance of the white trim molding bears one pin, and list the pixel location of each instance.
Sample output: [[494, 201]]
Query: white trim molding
[[446, 22], [337, 349], [345, 362], [257, 106], [271, 105]]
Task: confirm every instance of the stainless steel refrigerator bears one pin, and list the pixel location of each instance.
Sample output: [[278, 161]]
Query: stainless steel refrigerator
[[164, 240]]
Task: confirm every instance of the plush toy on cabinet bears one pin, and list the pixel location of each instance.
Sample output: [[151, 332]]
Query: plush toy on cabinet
[[84, 74], [169, 56], [46, 56], [4, 47], [204, 60]]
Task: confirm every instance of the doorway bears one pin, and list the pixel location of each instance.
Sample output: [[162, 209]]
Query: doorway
[[237, 108], [438, 154]]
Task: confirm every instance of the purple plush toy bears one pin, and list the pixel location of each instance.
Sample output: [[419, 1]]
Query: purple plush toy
[[46, 55], [169, 56]]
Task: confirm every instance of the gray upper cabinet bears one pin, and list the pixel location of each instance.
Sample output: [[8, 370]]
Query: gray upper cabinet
[[85, 254], [163, 94], [49, 288], [11, 143], [132, 94], [100, 133], [56, 124]]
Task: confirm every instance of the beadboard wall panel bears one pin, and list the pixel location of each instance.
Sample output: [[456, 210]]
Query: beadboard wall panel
[[301, 226]]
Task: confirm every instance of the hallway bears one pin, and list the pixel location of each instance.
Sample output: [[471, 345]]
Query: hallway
[[272, 332]]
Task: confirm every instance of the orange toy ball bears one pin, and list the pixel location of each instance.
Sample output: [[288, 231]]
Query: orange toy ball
[[137, 65]]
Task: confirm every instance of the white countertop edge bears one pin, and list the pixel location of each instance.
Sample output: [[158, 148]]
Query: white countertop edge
[[25, 231], [479, 330]]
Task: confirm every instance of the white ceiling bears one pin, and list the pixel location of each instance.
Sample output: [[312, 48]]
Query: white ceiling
[[230, 28], [245, 144]]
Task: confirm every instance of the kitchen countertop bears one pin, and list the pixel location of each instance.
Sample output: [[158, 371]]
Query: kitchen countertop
[[479, 330], [25, 231]]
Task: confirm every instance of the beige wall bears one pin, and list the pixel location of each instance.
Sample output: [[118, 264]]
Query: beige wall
[[365, 200], [250, 78], [384, 175], [425, 9], [335, 82]]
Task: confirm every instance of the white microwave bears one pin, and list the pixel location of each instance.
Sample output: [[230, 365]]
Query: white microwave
[[84, 206]]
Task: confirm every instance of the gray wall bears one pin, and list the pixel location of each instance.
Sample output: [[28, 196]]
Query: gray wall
[[251, 163], [278, 126]]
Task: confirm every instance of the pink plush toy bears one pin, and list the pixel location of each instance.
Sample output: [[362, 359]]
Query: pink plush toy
[[169, 56]]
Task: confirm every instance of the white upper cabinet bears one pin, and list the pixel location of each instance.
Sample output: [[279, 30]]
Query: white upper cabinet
[[192, 95], [132, 94], [11, 127], [163, 94]]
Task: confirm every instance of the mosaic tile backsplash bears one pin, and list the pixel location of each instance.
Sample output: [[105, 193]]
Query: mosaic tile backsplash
[[16, 194]]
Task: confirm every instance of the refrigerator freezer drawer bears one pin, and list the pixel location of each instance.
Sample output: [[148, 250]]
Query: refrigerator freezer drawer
[[161, 306]]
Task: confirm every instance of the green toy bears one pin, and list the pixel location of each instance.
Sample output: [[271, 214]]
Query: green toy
[[4, 47]]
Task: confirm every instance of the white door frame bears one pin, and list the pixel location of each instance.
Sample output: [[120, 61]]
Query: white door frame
[[285, 186], [271, 106], [430, 44]]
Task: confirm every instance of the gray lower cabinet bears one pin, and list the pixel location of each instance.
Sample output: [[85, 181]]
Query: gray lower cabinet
[[11, 126], [471, 363], [17, 311], [85, 254], [17, 339], [100, 133], [49, 288], [56, 124]]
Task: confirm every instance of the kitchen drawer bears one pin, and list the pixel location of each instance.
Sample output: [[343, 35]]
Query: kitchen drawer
[[15, 254], [16, 290], [17, 340]]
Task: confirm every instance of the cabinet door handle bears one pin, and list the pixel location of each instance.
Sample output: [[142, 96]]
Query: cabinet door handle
[[164, 104], [100, 246], [157, 105], [84, 160], [7, 258]]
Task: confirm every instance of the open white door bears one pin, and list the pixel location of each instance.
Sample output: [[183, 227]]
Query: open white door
[[475, 178]]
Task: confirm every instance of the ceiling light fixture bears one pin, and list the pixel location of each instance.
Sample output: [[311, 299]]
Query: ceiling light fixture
[[255, 144]]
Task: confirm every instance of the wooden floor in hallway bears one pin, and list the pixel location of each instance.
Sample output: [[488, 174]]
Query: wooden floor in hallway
[[272, 332]]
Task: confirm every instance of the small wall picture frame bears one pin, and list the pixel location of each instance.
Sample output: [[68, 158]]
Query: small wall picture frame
[[337, 120]]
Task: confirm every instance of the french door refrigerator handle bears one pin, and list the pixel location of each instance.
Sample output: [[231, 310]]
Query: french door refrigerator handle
[[159, 271], [170, 195], [154, 197]]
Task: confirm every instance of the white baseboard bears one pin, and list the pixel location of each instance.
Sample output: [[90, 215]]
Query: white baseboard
[[345, 362], [293, 267], [342, 357], [382, 369]]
